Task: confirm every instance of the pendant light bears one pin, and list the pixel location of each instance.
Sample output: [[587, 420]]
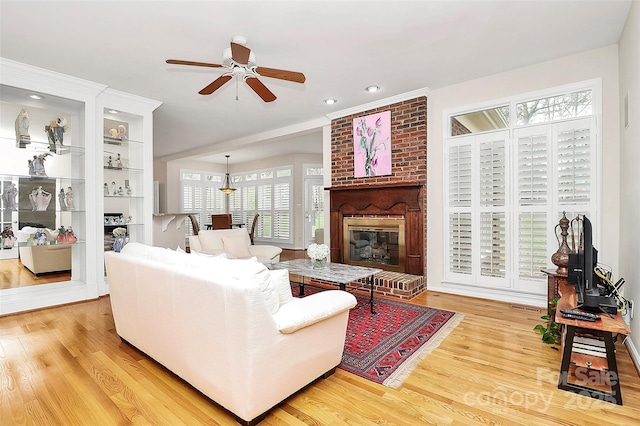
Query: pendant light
[[226, 185]]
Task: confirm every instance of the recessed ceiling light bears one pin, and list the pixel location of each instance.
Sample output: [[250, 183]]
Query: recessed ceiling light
[[113, 111], [330, 101], [35, 96], [372, 89]]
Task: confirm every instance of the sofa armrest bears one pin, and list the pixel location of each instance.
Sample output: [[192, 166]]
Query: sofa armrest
[[265, 251], [303, 312]]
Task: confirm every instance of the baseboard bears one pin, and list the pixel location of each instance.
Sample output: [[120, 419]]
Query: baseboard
[[499, 295], [633, 352]]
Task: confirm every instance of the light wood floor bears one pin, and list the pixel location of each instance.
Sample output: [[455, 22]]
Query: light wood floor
[[66, 366], [13, 275]]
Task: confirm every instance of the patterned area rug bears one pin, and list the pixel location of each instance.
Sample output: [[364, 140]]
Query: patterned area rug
[[387, 346]]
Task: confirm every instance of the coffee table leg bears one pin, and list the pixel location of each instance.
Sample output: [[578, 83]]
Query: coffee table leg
[[301, 287], [370, 282]]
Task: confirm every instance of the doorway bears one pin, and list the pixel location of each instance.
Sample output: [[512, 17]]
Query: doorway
[[313, 211]]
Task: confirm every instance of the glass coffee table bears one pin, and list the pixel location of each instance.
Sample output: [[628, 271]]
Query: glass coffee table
[[332, 273]]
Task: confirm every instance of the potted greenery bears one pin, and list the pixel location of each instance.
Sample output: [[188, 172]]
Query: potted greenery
[[551, 330]]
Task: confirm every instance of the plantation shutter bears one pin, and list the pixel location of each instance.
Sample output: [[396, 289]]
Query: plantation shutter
[[460, 250], [493, 192], [574, 161], [506, 190], [281, 215], [533, 148], [460, 247], [187, 198]]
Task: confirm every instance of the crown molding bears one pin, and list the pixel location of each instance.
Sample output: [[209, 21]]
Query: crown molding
[[21, 75], [380, 103]]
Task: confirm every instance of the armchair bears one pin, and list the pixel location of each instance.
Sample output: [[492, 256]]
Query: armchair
[[43, 259]]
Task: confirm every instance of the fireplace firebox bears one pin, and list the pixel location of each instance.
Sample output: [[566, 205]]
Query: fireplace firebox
[[374, 242]]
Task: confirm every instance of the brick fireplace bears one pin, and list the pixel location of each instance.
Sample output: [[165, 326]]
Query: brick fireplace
[[393, 202], [400, 196]]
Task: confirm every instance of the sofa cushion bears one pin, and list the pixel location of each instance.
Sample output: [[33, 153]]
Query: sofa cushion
[[255, 272], [236, 246], [280, 281], [210, 240]]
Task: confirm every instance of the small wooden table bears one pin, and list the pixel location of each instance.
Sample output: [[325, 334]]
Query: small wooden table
[[595, 352], [554, 279], [332, 273]]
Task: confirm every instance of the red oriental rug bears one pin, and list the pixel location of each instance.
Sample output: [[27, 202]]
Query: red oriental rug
[[385, 347]]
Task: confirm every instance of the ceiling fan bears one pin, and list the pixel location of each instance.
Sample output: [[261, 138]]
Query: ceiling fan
[[241, 63]]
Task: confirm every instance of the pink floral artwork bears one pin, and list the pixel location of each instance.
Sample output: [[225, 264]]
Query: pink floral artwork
[[372, 145]]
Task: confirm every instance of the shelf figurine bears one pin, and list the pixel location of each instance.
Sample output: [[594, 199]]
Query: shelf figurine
[[106, 189], [128, 189], [69, 199], [22, 129], [113, 190], [40, 199], [113, 133], [55, 133], [120, 191], [36, 166], [122, 131], [110, 162], [9, 198], [8, 239], [118, 161], [63, 204]]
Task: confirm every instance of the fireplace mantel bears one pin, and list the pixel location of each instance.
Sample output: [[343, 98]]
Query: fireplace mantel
[[396, 200]]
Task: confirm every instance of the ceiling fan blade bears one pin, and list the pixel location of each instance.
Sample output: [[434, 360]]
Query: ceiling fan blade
[[197, 64], [240, 53], [261, 89], [296, 77], [215, 85]]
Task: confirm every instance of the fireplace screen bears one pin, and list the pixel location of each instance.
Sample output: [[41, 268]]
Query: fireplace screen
[[374, 242]]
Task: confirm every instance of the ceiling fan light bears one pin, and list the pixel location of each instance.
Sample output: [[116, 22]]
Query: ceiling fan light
[[330, 101]]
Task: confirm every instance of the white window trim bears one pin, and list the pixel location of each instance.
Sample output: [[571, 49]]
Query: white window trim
[[449, 280], [274, 180], [203, 184]]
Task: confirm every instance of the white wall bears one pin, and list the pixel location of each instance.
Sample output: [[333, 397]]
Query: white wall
[[629, 52], [598, 63]]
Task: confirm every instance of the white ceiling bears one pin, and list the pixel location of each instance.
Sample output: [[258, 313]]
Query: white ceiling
[[341, 47]]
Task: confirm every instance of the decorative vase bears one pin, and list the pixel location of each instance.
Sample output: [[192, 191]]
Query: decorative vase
[[561, 257], [318, 263], [120, 242]]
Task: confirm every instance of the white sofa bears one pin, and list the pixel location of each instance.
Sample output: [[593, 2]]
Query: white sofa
[[234, 242], [46, 258], [228, 327]]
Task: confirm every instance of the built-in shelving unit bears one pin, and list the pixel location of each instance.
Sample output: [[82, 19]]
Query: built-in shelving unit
[[73, 158], [127, 166]]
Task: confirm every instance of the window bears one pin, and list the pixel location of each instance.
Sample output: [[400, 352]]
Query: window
[[506, 189], [200, 195], [267, 192]]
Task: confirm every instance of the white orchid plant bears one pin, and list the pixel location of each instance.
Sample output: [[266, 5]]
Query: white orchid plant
[[318, 251]]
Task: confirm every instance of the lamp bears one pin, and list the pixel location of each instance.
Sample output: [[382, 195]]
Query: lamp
[[226, 185]]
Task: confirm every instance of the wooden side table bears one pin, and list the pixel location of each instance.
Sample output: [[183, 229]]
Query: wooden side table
[[595, 353], [554, 280]]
